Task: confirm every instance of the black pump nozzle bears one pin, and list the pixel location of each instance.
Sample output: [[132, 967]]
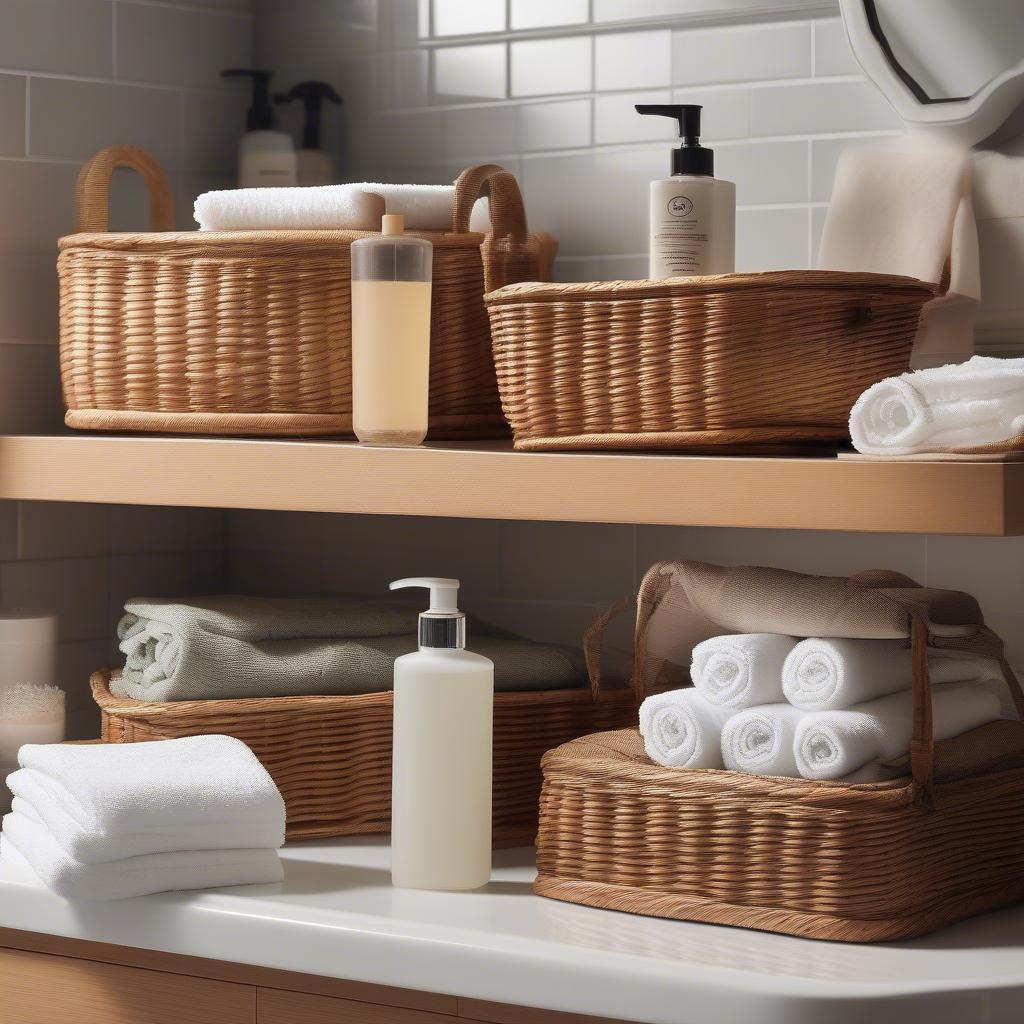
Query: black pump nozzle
[[312, 95], [260, 116], [691, 157]]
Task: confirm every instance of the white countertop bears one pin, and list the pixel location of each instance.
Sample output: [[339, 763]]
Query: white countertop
[[337, 915]]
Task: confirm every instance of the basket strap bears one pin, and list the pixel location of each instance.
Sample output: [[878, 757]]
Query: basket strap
[[593, 642], [922, 745], [92, 191]]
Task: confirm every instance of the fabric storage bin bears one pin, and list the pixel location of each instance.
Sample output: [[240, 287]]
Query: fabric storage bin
[[331, 756], [737, 359], [823, 860], [248, 332]]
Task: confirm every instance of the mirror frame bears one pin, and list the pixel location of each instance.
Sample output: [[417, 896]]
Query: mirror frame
[[967, 120]]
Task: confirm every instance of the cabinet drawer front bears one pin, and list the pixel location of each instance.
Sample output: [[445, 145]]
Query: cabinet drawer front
[[36, 988], [277, 1007]]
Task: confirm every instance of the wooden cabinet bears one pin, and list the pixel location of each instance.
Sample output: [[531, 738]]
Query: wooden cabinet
[[278, 1007]]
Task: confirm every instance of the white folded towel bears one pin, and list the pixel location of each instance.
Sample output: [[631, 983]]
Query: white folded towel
[[833, 744], [740, 670], [943, 409], [827, 674], [759, 741], [134, 876], [358, 206], [107, 801], [682, 730]]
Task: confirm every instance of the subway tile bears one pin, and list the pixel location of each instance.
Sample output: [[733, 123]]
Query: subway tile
[[741, 53], [468, 17], [212, 124], [8, 530], [726, 113], [74, 588], [820, 107], [832, 53], [825, 155], [563, 125], [772, 240], [588, 269], [616, 119], [30, 398], [765, 172], [527, 14], [163, 574], [404, 79], [818, 214], [630, 10], [586, 562], [72, 38], [624, 268], [471, 72], [12, 115], [410, 139], [988, 567], [402, 23], [1010, 627], [178, 46], [478, 133], [60, 529], [1001, 250], [546, 66], [72, 120], [638, 10], [138, 529], [633, 60]]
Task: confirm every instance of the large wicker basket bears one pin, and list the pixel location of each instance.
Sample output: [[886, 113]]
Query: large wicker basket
[[331, 756], [824, 860], [249, 332], [737, 359]]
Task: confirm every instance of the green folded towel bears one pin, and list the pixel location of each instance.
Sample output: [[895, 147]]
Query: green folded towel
[[228, 646]]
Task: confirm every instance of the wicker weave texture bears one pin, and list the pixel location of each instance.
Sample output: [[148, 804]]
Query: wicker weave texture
[[737, 359], [249, 332], [331, 756]]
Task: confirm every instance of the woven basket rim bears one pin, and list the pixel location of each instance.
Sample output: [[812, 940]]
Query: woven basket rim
[[768, 280]]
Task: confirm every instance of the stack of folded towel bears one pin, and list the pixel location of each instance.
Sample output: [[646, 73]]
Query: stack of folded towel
[[104, 822], [767, 704]]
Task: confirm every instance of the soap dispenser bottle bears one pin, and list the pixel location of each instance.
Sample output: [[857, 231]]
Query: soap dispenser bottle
[[441, 784], [265, 157], [693, 213], [314, 166]]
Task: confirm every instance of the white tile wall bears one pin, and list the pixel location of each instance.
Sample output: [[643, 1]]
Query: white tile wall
[[550, 66], [742, 54]]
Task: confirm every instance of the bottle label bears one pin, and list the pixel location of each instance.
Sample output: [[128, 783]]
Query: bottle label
[[681, 236]]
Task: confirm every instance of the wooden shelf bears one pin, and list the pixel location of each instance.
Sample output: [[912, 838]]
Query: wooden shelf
[[490, 481]]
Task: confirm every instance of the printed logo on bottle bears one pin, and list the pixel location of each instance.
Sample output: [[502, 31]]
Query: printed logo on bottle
[[680, 206]]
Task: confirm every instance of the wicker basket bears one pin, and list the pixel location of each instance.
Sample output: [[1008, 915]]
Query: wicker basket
[[824, 860], [331, 756], [738, 359], [248, 332]]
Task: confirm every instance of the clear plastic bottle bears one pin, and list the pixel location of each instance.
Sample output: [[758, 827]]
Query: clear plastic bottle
[[391, 276]]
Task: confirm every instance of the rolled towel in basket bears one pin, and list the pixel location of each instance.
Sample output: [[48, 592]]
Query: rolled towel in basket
[[132, 876], [833, 744], [105, 802], [759, 741], [358, 206], [682, 730], [942, 409], [826, 674], [741, 670]]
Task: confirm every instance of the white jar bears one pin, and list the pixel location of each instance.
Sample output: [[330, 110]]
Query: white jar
[[28, 647]]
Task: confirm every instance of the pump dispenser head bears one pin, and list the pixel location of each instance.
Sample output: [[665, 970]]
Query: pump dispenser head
[[312, 94], [260, 117], [691, 157], [442, 624]]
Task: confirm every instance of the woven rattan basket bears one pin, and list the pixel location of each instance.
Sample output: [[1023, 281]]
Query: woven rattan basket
[[331, 756], [248, 332], [824, 860], [739, 359]]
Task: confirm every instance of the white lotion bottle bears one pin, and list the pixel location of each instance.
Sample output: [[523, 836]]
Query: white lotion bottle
[[265, 157], [693, 213], [441, 782], [391, 283]]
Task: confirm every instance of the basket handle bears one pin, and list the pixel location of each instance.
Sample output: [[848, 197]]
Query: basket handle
[[593, 643], [508, 214], [92, 191]]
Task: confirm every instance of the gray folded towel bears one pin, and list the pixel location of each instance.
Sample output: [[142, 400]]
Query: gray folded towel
[[228, 646]]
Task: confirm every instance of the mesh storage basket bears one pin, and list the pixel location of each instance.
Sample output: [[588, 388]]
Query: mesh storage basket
[[825, 860], [248, 332], [737, 359]]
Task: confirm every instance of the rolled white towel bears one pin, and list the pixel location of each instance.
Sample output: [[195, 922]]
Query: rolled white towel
[[682, 730], [134, 876], [358, 206], [759, 741], [741, 670], [833, 744], [827, 674], [944, 408]]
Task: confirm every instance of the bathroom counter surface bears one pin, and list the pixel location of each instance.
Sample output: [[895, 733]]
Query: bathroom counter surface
[[336, 915]]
